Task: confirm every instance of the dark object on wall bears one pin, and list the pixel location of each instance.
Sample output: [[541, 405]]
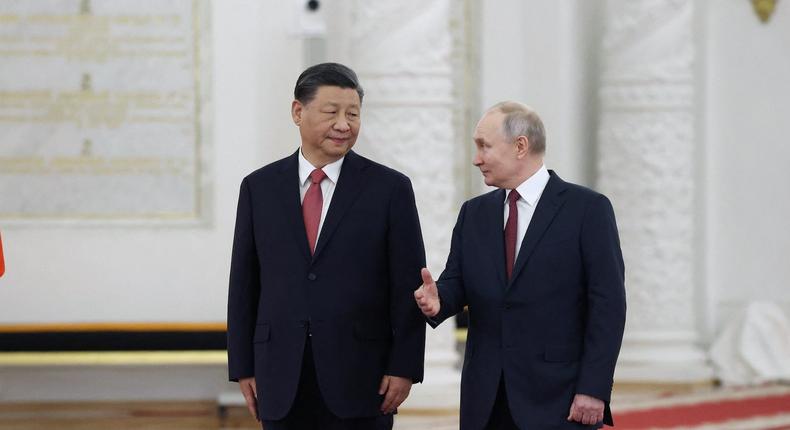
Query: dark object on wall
[[12, 339]]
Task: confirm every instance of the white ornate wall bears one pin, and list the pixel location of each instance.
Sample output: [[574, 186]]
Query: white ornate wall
[[747, 100], [57, 274], [647, 149], [409, 58], [690, 147]]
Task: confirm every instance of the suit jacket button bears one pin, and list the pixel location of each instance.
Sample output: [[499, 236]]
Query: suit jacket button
[[312, 276]]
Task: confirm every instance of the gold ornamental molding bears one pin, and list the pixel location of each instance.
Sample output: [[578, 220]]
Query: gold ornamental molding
[[764, 9], [114, 358]]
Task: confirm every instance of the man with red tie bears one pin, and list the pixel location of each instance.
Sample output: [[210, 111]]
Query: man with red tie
[[538, 263], [322, 328]]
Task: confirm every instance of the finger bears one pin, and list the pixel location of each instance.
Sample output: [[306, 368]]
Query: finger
[[251, 406], [254, 387], [385, 382], [249, 391], [427, 279], [419, 293], [575, 415], [427, 310], [389, 402], [398, 401]]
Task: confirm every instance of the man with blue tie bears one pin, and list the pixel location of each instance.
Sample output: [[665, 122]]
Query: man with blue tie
[[322, 328], [539, 265]]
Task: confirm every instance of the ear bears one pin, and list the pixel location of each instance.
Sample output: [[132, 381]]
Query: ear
[[296, 112], [522, 146]]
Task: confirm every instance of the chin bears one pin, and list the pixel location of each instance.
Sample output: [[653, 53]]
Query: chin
[[341, 150], [338, 148]]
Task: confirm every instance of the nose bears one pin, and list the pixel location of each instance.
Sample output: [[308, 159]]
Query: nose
[[478, 160], [342, 125]]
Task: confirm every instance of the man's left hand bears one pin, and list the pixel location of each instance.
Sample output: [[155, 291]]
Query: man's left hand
[[586, 410], [395, 390]]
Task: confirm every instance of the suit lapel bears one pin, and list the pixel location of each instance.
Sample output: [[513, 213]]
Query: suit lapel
[[493, 231], [288, 189], [549, 204], [349, 184]]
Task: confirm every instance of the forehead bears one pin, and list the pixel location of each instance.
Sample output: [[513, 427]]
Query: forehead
[[489, 126], [327, 94]]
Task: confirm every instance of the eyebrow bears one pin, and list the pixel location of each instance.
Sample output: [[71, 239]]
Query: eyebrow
[[335, 104]]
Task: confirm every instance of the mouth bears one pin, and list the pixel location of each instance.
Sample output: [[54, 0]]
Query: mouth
[[338, 140]]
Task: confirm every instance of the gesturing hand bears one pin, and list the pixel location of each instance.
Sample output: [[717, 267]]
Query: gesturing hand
[[427, 296], [250, 392], [586, 410]]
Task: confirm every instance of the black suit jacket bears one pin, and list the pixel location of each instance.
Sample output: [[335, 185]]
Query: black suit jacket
[[355, 294], [556, 327]]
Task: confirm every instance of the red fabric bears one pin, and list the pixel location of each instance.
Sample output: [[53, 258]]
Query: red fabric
[[511, 229], [704, 413], [2, 261], [311, 207]]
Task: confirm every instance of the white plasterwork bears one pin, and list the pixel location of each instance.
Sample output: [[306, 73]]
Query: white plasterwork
[[647, 147], [406, 55], [103, 112]]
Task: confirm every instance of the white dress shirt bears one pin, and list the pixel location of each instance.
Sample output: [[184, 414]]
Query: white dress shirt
[[332, 171], [529, 193]]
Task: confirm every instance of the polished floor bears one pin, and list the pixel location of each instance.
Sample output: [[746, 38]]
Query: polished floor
[[160, 416], [764, 407]]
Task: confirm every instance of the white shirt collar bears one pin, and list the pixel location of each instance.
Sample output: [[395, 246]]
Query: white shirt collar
[[531, 189], [332, 170]]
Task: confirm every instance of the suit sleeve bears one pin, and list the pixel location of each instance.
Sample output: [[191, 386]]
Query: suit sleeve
[[243, 291], [452, 294], [604, 267], [406, 259]]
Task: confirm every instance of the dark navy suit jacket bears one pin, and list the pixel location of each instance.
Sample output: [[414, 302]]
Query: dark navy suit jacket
[[555, 329], [354, 295]]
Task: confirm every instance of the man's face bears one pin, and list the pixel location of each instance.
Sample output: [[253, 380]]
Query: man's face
[[328, 124], [496, 157]]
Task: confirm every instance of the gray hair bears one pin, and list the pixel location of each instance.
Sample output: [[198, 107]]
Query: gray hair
[[521, 120]]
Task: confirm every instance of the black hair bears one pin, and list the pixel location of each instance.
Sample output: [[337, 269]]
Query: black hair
[[325, 74]]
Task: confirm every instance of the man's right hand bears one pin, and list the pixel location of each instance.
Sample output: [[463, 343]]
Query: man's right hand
[[427, 296], [250, 392]]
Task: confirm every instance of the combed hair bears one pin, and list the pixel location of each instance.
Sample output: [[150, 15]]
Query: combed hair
[[521, 120], [325, 74]]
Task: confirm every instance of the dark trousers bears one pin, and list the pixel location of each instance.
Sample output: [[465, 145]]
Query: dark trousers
[[309, 411], [500, 418]]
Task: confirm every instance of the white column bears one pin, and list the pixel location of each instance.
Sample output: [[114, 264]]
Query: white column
[[646, 165], [407, 54]]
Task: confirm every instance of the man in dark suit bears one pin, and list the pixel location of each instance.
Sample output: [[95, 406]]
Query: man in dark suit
[[322, 328], [538, 263]]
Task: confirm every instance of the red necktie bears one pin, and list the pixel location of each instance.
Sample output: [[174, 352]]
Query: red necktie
[[511, 228], [311, 207]]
